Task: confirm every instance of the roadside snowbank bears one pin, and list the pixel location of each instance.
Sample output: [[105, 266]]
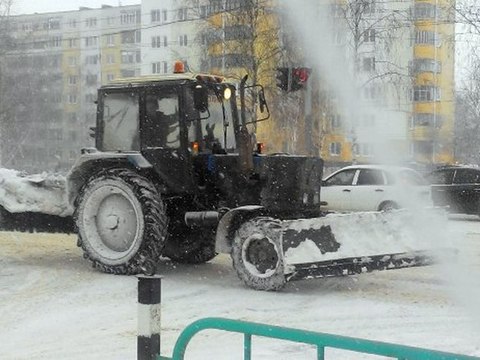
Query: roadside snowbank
[[44, 193]]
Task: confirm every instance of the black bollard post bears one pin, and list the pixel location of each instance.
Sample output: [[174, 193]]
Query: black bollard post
[[149, 324]]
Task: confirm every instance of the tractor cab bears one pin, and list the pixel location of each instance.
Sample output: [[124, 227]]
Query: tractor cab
[[172, 121]]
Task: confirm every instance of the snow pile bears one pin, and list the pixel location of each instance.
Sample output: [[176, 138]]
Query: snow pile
[[369, 234], [44, 193]]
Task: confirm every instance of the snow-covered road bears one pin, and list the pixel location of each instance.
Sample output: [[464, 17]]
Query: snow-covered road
[[54, 306]]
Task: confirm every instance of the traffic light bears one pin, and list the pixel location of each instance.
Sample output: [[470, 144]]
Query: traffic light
[[292, 79], [299, 78], [283, 75]]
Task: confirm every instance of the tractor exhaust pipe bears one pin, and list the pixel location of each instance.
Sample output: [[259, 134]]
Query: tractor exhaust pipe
[[202, 218]]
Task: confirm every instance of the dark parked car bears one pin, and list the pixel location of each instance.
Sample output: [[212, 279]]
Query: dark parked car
[[457, 187]]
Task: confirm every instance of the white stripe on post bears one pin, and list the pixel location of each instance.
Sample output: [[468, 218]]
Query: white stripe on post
[[149, 306]]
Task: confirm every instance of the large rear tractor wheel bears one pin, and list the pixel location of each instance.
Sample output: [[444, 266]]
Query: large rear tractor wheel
[[257, 254], [121, 222], [188, 245]]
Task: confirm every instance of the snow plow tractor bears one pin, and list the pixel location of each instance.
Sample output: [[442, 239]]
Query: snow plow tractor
[[175, 172]]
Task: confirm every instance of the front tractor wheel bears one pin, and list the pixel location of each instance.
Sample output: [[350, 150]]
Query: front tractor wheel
[[257, 254], [121, 222]]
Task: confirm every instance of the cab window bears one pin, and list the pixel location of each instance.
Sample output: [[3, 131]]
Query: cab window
[[120, 121], [162, 121]]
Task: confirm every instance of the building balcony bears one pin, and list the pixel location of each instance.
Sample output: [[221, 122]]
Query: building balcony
[[423, 133]]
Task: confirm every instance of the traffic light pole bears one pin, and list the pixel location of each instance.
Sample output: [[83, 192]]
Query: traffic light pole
[[308, 120]]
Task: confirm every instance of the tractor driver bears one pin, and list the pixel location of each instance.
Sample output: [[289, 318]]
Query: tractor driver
[[162, 122]]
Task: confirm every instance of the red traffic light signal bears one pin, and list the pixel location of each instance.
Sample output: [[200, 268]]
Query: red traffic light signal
[[299, 78]]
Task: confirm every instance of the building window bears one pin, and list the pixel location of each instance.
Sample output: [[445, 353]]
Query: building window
[[183, 40], [237, 32], [56, 41], [110, 20], [128, 37], [130, 57], [91, 60], [130, 17], [110, 77], [369, 36], [72, 80], [72, 43], [91, 41], [426, 93], [155, 15], [159, 67], [51, 24], [425, 65], [426, 119], [91, 22], [159, 41], [425, 11], [72, 98], [368, 64], [335, 121], [427, 38], [110, 40], [165, 16], [156, 67], [335, 148], [182, 14], [72, 23]]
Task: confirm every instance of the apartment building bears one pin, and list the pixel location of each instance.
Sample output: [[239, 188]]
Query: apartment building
[[403, 70], [401, 67], [170, 32], [53, 70]]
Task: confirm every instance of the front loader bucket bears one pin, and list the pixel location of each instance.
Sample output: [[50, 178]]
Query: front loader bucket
[[344, 244]]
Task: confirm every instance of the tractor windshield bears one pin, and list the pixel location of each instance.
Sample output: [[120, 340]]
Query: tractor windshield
[[215, 131]]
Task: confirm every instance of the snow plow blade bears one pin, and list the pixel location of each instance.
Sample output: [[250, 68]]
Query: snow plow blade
[[338, 245], [34, 203], [267, 252]]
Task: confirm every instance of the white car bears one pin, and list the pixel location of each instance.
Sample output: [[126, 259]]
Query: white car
[[374, 188]]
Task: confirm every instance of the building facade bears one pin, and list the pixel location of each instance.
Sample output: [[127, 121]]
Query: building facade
[[398, 59], [52, 70]]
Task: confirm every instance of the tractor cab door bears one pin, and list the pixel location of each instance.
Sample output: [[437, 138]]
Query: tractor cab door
[[164, 138]]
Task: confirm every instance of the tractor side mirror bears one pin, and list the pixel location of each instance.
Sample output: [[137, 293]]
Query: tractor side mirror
[[200, 98]]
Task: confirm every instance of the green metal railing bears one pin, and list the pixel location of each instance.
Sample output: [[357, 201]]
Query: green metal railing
[[320, 340]]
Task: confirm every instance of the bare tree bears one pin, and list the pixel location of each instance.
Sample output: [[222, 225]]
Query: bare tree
[[467, 125]]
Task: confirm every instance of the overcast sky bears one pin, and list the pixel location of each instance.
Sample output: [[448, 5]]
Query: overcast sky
[[41, 6]]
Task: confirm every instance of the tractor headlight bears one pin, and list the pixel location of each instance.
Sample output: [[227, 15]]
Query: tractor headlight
[[227, 93]]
